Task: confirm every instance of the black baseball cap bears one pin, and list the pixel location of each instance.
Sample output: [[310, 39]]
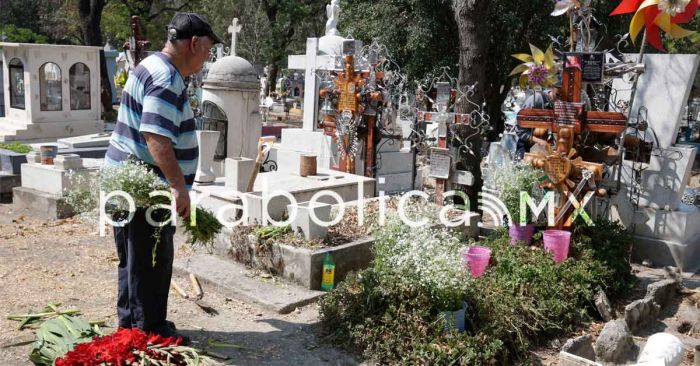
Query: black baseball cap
[[188, 25]]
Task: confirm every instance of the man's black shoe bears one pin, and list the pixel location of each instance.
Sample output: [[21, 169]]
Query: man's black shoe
[[170, 325]]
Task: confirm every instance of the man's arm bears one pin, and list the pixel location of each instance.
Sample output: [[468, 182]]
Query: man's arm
[[161, 148]]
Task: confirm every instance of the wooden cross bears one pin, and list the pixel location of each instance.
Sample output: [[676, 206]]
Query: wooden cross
[[234, 29], [136, 46], [351, 97], [567, 119]]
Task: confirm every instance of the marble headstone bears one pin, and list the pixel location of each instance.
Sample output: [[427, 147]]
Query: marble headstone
[[663, 89]]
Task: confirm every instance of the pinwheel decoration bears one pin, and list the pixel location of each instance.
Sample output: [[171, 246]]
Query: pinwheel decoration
[[658, 14], [537, 69], [562, 7]]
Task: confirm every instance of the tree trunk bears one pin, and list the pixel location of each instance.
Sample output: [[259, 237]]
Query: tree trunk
[[471, 17], [272, 72], [90, 12]]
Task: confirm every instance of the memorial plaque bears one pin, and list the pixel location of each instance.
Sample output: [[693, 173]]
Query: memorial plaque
[[463, 177], [439, 163], [593, 64], [590, 63], [444, 89]]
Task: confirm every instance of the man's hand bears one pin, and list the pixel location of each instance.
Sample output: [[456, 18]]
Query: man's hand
[[161, 148], [182, 201]]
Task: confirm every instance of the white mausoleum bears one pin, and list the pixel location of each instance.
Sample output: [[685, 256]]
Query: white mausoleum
[[51, 91]]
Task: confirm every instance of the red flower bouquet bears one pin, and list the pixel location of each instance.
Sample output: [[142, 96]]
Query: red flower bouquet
[[128, 347]]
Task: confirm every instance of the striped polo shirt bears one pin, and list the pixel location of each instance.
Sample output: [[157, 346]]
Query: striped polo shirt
[[155, 100]]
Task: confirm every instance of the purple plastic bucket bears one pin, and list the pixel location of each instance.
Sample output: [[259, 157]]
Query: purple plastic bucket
[[477, 259], [557, 243], [521, 233]]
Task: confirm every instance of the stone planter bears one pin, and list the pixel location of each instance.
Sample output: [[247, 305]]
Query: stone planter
[[11, 161], [238, 171], [302, 265]]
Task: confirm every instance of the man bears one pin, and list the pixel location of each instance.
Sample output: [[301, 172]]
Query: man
[[156, 125], [538, 100]]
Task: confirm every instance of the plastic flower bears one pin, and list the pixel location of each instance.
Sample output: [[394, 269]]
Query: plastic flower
[[537, 69], [658, 14]]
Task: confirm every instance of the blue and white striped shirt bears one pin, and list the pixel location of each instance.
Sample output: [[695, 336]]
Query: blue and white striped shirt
[[155, 100]]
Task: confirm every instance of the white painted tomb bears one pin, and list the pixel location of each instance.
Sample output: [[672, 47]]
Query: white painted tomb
[[52, 91], [230, 106], [664, 89], [666, 231]]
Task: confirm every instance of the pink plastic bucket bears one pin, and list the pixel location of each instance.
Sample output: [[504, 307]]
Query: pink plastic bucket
[[477, 259], [521, 233], [557, 243]]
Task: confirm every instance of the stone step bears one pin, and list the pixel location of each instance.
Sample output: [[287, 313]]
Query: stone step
[[7, 132], [230, 279]]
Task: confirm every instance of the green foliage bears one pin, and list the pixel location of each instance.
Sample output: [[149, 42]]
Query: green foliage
[[420, 35], [271, 232], [21, 35], [203, 232], [116, 26], [16, 147], [523, 299], [57, 336], [510, 179], [611, 244]]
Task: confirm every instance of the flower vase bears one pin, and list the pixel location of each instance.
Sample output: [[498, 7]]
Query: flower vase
[[208, 141], [476, 258], [557, 242], [455, 319], [521, 233]]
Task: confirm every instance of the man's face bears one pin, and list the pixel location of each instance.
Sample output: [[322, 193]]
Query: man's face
[[199, 48]]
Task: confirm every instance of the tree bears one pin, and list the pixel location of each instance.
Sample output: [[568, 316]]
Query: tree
[[90, 12], [473, 30], [290, 22], [421, 36]]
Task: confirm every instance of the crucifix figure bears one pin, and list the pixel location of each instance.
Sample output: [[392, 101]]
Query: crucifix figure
[[568, 119], [234, 29]]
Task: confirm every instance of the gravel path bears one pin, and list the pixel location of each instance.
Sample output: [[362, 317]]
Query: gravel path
[[66, 261]]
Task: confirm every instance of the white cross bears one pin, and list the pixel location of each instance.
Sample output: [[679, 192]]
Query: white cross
[[234, 29]]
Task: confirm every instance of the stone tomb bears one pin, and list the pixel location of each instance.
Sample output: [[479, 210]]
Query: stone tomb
[[43, 186], [52, 91], [664, 89], [665, 229], [230, 106]]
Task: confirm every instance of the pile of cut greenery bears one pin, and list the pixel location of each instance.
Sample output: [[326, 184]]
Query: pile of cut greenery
[[391, 311]]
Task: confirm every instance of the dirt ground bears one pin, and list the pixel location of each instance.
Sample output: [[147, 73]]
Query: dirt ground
[[66, 261]]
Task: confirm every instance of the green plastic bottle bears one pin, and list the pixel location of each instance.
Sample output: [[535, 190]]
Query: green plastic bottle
[[328, 274]]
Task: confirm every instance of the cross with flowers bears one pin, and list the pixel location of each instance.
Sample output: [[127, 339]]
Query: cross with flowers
[[568, 119]]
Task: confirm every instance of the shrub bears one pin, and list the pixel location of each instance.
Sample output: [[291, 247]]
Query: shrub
[[511, 178], [16, 147], [391, 311]]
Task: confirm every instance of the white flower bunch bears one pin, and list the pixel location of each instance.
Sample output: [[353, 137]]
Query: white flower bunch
[[134, 178], [83, 195], [430, 257], [510, 178]]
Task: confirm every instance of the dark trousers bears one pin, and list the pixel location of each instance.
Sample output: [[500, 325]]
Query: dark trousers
[[142, 300]]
